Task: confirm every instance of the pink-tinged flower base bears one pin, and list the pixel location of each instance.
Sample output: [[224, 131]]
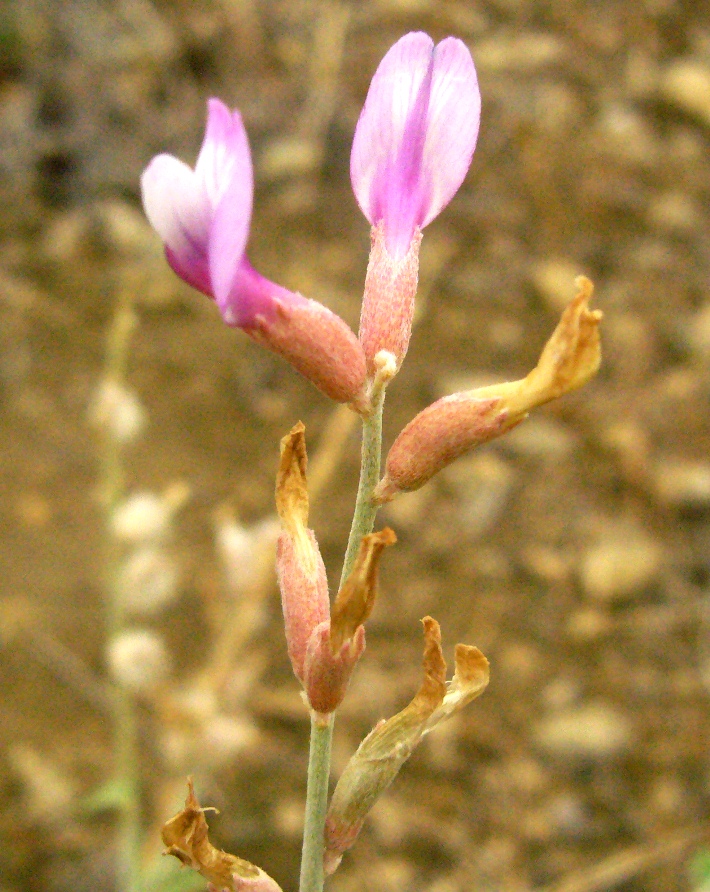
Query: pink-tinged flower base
[[304, 592], [326, 675], [388, 305], [313, 339], [436, 436]]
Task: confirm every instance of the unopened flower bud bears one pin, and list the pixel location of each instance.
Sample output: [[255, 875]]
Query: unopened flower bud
[[455, 424], [388, 746], [138, 660], [186, 837], [334, 648], [300, 568]]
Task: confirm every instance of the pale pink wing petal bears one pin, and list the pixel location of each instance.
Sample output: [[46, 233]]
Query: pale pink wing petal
[[386, 143], [176, 208], [224, 153], [229, 231], [452, 126]]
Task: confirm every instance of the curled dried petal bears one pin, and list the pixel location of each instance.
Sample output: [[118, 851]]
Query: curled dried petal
[[186, 837], [356, 598]]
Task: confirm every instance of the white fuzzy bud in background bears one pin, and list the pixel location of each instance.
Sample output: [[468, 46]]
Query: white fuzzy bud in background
[[245, 551], [117, 411], [142, 517], [138, 660], [148, 581], [224, 737], [145, 516]]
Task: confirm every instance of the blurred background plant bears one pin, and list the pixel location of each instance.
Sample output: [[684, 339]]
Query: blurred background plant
[[574, 552]]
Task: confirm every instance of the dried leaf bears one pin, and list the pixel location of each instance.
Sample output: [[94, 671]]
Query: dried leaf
[[185, 836], [291, 489], [356, 598], [382, 753]]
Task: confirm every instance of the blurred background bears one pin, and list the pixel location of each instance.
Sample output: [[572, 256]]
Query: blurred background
[[575, 552]]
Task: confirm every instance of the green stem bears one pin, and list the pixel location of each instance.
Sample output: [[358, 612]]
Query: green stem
[[322, 727], [316, 802], [127, 762], [365, 508]]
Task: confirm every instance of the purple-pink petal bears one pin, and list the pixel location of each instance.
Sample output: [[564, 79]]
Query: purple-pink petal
[[203, 215], [176, 208], [416, 135]]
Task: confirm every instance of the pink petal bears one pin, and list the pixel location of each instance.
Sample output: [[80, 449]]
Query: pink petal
[[416, 135], [224, 154], [452, 130], [224, 170], [174, 205], [229, 232]]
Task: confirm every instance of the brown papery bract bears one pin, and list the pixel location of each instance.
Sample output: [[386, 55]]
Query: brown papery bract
[[456, 424], [186, 837], [356, 598], [388, 746]]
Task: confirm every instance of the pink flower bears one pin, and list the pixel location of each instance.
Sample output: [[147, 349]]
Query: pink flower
[[412, 148], [416, 135], [203, 217]]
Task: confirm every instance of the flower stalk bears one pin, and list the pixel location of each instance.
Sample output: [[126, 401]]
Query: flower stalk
[[312, 876]]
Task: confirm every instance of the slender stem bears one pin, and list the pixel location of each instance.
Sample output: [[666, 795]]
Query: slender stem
[[322, 727], [365, 508], [316, 802]]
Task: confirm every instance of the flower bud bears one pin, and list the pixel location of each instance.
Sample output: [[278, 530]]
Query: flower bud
[[455, 424], [300, 568], [147, 581], [246, 552], [145, 516], [388, 746], [186, 838], [334, 648]]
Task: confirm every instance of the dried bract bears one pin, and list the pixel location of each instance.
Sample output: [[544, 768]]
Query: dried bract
[[186, 837], [388, 746], [455, 424], [335, 647], [301, 572]]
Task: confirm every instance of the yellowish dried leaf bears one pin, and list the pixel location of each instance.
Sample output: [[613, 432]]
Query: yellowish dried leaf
[[356, 598], [185, 836], [292, 494]]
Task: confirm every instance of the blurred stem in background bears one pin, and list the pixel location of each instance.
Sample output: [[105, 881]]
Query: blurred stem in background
[[118, 417]]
